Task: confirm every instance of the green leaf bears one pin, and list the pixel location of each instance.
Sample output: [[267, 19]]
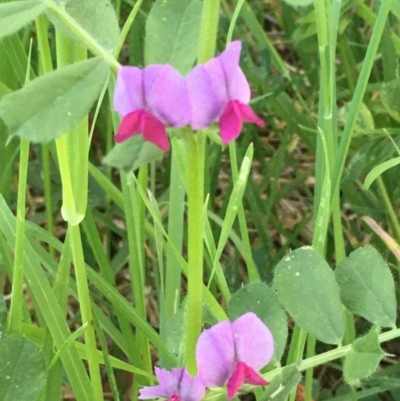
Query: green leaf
[[53, 104], [379, 170], [363, 358], [3, 317], [172, 32], [96, 17], [367, 286], [257, 297], [390, 93], [22, 370], [307, 289], [15, 15], [282, 384], [133, 153]]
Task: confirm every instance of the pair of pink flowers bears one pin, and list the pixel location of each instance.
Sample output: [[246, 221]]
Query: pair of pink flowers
[[228, 353], [149, 99]]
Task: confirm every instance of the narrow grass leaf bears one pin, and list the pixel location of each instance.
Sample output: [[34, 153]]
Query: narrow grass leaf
[[307, 289], [378, 170], [132, 154], [3, 317], [257, 297], [367, 286], [363, 358], [66, 96], [172, 32], [15, 15], [22, 370]]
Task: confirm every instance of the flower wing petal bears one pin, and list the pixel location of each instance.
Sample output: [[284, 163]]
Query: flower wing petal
[[129, 126], [191, 388], [168, 384], [207, 93], [253, 341], [167, 95], [128, 93], [249, 116], [215, 353], [230, 123], [153, 130]]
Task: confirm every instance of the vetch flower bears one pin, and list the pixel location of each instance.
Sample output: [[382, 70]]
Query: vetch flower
[[176, 385], [148, 99], [233, 352], [219, 91]]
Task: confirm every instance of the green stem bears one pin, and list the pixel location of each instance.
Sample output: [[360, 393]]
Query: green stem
[[17, 300], [85, 38], [86, 310], [209, 27], [195, 190]]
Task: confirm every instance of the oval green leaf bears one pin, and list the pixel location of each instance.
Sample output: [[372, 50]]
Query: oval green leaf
[[307, 289], [367, 286], [15, 15], [23, 371], [257, 297], [53, 104], [363, 358], [390, 93], [172, 33]]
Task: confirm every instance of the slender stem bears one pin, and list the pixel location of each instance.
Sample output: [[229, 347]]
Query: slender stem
[[17, 300], [86, 310], [195, 189], [81, 33]]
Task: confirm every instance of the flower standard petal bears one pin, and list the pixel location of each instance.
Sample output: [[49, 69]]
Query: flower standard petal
[[167, 95], [215, 354], [254, 343], [191, 388], [207, 93], [128, 93]]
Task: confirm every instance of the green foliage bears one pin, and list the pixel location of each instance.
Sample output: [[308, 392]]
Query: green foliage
[[367, 287], [390, 93], [55, 112], [133, 153], [22, 370], [306, 287], [363, 358], [3, 317], [172, 32], [259, 298], [15, 15], [96, 17], [378, 170]]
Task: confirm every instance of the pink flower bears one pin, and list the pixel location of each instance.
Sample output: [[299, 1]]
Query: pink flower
[[176, 385], [219, 91], [233, 352], [148, 99]]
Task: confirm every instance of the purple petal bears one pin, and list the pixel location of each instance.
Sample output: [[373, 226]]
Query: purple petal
[[167, 95], [191, 388], [254, 343], [128, 93], [153, 130], [130, 125], [168, 384], [238, 87], [215, 353], [207, 92]]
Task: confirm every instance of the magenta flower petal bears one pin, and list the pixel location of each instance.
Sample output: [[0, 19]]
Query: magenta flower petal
[[249, 116], [191, 388], [153, 130], [215, 353], [167, 95], [128, 93], [207, 92], [130, 125], [236, 380], [253, 341]]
